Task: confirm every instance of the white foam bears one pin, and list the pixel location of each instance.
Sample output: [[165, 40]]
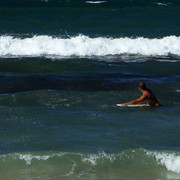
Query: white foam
[[85, 46], [95, 2], [170, 160], [93, 158], [161, 4], [29, 157]]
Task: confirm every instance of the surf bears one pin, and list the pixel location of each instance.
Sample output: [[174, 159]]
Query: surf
[[85, 46], [134, 163]]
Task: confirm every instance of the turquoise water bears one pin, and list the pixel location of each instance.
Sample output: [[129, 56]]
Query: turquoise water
[[64, 65]]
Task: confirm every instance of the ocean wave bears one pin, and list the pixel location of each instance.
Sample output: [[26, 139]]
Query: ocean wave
[[170, 160], [84, 46], [140, 163], [95, 2], [162, 4]]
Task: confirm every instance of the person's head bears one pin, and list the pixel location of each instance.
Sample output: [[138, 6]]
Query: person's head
[[142, 86]]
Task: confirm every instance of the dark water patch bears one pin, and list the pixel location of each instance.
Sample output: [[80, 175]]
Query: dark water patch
[[124, 64], [84, 3], [130, 18], [79, 82]]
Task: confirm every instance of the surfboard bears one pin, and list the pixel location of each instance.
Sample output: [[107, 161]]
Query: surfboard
[[134, 105]]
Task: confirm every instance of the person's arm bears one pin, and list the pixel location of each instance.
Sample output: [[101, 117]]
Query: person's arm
[[136, 101]]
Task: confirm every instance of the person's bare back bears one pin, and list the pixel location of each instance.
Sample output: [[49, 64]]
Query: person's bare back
[[150, 98], [147, 96]]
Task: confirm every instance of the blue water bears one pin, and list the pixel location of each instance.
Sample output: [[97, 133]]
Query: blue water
[[64, 65]]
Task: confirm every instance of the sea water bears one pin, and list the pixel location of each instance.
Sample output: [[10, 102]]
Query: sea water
[[64, 65]]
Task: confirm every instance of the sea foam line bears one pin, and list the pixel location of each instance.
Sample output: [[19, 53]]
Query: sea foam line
[[162, 4], [29, 157], [85, 46]]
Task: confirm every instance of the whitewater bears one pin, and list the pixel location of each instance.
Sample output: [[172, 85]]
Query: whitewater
[[84, 165], [82, 45]]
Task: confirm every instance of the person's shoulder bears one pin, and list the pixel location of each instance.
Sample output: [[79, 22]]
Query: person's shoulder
[[146, 92]]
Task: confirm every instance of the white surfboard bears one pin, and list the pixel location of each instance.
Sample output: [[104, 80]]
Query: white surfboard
[[134, 105]]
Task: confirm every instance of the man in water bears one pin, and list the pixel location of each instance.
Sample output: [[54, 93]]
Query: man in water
[[147, 96]]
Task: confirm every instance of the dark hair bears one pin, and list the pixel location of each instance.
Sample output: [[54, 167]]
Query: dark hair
[[142, 85]]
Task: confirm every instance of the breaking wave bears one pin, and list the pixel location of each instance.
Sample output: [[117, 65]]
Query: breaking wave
[[85, 46], [138, 163]]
